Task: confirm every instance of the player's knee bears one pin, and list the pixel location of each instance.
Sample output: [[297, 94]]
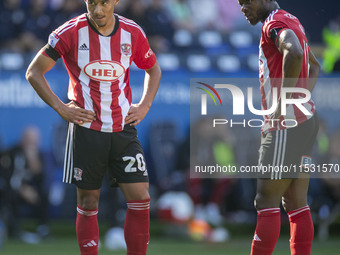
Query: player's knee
[[146, 197], [259, 202], [291, 204], [137, 198], [135, 191], [143, 195], [89, 202], [262, 202], [285, 204]]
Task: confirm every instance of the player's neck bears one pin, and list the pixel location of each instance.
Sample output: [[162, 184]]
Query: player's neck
[[103, 30], [272, 6]]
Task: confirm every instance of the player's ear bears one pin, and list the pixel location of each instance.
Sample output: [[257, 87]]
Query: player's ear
[[116, 2]]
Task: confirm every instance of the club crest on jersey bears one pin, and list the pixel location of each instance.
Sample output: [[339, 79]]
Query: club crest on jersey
[[77, 174], [126, 49], [104, 70]]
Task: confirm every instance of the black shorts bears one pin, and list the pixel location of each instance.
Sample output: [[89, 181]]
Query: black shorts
[[285, 154], [89, 154]]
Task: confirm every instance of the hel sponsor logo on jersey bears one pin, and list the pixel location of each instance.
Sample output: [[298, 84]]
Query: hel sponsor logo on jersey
[[306, 161], [104, 70], [53, 39], [77, 174], [126, 49]]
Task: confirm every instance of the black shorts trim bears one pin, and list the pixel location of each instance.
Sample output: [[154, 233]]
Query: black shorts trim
[[68, 160]]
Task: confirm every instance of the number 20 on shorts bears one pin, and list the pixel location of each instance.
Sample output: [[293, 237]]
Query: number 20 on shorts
[[140, 163]]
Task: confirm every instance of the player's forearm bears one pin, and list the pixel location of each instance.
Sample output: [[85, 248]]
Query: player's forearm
[[291, 69], [151, 85], [40, 85], [314, 70], [313, 77]]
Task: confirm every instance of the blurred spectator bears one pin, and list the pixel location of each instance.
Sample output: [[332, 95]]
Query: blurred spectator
[[321, 149], [205, 13], [331, 36], [163, 154], [229, 14], [27, 29], [12, 18], [136, 12], [23, 193], [329, 203], [181, 14], [66, 10], [210, 147], [158, 26], [332, 180], [38, 24], [122, 6]]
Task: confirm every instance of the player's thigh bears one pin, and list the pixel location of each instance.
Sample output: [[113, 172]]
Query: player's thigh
[[272, 154], [300, 141], [296, 194], [127, 162], [282, 152], [90, 157], [135, 191], [269, 192]]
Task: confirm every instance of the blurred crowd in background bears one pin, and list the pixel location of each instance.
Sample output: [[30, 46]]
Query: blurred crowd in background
[[26, 24], [183, 33]]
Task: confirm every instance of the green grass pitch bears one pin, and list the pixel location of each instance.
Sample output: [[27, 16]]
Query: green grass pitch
[[164, 246], [63, 241]]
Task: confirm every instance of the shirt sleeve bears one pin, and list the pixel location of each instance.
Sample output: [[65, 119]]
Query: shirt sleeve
[[59, 43], [144, 57], [48, 51], [274, 24]]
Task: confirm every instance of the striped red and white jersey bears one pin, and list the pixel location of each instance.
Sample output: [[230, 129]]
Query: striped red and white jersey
[[98, 67], [270, 68]]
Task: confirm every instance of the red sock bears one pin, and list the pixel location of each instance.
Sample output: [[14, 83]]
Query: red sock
[[87, 231], [137, 224], [301, 231], [267, 231]]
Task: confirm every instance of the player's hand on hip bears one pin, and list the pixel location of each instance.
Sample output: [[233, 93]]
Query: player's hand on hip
[[73, 113], [277, 114], [136, 114]]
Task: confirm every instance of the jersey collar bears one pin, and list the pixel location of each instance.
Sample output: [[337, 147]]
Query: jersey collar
[[113, 31]]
